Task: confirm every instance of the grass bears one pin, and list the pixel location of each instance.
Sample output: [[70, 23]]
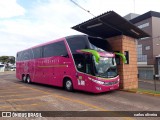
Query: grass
[[144, 91], [148, 91]]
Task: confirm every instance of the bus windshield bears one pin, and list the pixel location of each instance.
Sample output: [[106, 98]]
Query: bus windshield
[[106, 67]]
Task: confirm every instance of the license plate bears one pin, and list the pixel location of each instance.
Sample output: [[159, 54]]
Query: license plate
[[111, 88]]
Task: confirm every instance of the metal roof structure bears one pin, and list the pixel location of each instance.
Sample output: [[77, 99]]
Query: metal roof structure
[[110, 24]]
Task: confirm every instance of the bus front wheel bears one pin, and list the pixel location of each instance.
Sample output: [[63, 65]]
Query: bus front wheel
[[68, 85]]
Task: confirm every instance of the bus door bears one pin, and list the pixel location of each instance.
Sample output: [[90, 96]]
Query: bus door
[[81, 68], [85, 65]]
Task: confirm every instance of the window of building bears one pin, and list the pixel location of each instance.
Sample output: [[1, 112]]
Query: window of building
[[139, 49], [143, 25], [141, 57], [147, 47]]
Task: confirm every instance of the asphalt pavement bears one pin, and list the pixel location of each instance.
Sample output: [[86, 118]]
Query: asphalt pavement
[[18, 96]]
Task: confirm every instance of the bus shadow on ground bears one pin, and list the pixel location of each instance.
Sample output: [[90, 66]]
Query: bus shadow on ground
[[62, 89]]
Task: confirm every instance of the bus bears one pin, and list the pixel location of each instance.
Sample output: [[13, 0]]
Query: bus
[[77, 62]]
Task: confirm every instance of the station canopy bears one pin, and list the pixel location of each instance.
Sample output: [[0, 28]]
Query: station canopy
[[110, 24]]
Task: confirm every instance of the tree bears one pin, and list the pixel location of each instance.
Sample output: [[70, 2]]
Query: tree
[[4, 59], [12, 60], [7, 59]]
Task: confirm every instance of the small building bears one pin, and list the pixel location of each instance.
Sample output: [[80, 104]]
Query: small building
[[148, 48]]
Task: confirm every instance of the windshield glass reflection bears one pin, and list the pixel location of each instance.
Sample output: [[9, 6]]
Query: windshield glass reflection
[[106, 67]]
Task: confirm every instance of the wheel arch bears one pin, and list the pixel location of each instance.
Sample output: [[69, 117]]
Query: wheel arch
[[22, 76]]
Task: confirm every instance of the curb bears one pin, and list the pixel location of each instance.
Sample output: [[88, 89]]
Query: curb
[[148, 93], [140, 92]]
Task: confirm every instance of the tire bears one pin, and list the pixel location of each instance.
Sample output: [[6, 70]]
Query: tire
[[68, 85], [28, 80], [24, 78]]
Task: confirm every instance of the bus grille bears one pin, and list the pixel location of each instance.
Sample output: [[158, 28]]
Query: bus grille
[[110, 83]]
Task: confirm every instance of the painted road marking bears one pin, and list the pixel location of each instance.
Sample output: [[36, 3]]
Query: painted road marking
[[69, 99], [4, 96], [20, 99], [1, 90], [58, 96], [33, 104]]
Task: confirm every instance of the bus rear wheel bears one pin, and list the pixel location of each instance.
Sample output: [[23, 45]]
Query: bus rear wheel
[[28, 80], [24, 78], [68, 85]]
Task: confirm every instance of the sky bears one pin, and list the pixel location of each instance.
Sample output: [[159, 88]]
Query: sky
[[26, 23]]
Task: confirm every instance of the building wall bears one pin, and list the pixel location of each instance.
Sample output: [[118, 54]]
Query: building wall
[[146, 71], [150, 46], [147, 42], [128, 72], [156, 36]]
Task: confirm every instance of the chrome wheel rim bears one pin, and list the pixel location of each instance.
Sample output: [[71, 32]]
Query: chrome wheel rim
[[68, 85], [24, 78], [28, 80]]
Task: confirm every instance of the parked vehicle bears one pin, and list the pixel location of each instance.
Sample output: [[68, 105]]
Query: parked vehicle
[[78, 62]]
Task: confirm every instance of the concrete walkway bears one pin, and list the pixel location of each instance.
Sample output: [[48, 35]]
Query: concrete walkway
[[149, 84]]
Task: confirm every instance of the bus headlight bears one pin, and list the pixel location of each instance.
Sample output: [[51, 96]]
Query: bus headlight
[[98, 82]]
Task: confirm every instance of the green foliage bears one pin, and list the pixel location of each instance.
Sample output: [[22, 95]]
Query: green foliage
[[149, 91], [7, 59]]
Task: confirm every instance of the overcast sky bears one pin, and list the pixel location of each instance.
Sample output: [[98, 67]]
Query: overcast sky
[[25, 23]]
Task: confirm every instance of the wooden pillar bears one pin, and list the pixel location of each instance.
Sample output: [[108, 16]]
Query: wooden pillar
[[128, 72]]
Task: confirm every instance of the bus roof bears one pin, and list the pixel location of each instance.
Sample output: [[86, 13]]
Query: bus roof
[[52, 41], [56, 40]]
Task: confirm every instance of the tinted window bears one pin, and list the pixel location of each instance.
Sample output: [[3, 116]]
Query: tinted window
[[17, 57], [1, 65], [80, 62], [37, 52], [77, 43], [83, 62], [100, 43], [27, 55], [55, 49]]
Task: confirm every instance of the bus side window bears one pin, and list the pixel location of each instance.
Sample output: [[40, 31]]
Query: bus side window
[[37, 52], [55, 49]]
